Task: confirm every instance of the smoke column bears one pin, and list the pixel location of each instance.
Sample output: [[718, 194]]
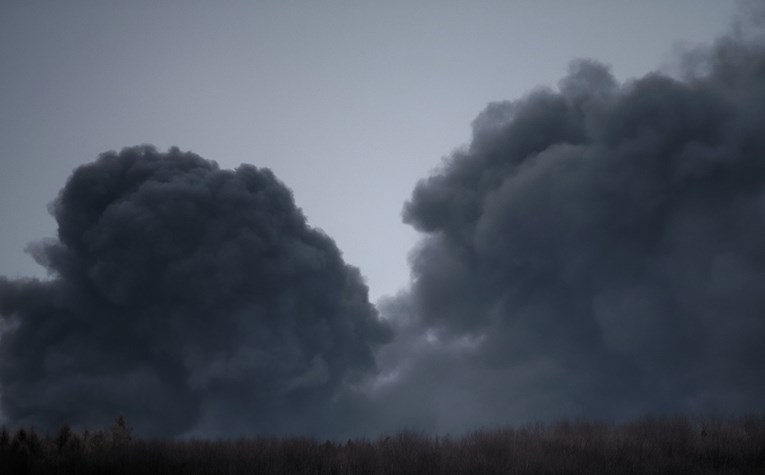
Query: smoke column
[[597, 250], [187, 298]]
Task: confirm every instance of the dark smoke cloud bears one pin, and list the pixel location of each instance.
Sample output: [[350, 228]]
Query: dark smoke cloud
[[187, 298], [597, 250]]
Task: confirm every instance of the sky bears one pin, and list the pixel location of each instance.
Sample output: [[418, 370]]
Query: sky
[[351, 219], [349, 103]]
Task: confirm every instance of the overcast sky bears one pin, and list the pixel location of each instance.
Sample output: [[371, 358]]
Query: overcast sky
[[349, 103]]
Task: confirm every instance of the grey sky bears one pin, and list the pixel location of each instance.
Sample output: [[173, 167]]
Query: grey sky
[[349, 103]]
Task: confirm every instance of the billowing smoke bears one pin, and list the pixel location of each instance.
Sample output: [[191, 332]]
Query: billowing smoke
[[187, 298], [596, 250]]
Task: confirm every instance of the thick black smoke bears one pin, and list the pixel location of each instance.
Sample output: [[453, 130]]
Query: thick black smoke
[[597, 250], [187, 298]]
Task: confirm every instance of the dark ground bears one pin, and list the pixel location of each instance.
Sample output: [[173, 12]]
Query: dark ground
[[660, 445]]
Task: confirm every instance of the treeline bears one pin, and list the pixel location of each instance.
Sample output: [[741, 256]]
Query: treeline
[[659, 445]]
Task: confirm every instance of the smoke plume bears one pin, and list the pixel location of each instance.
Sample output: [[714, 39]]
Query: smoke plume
[[187, 298], [597, 250]]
